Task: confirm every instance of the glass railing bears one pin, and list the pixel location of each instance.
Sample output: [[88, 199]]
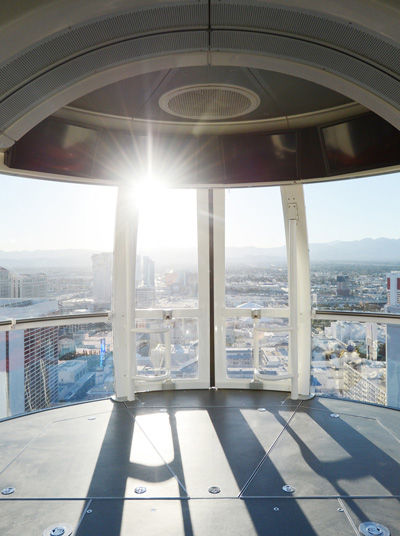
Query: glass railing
[[166, 350], [54, 361], [47, 362], [272, 340], [356, 356]]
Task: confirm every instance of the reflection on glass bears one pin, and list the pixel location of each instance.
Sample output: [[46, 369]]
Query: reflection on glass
[[349, 360], [256, 265], [166, 264], [151, 350], [273, 347], [55, 365]]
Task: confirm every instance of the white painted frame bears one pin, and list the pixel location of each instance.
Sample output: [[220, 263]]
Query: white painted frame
[[299, 310], [294, 213], [124, 298], [221, 313]]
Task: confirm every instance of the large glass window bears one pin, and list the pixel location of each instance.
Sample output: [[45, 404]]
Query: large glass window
[[56, 242], [166, 263], [354, 242], [152, 358], [47, 366], [255, 254], [349, 360]]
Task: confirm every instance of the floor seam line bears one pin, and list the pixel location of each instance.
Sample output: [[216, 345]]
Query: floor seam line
[[41, 433], [157, 451], [87, 506], [253, 474], [348, 516]]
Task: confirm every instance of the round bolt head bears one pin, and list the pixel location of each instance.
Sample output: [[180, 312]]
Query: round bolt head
[[214, 490], [288, 489], [276, 509], [58, 529], [340, 509], [91, 418], [262, 409], [335, 415], [370, 528], [7, 491], [89, 511], [140, 489]]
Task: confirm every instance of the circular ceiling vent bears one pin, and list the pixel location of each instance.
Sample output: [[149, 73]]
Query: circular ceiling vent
[[209, 102]]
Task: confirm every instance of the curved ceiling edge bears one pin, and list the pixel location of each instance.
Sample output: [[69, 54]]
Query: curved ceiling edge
[[141, 126]]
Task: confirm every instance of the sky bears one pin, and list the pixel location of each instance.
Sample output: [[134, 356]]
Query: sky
[[37, 214]]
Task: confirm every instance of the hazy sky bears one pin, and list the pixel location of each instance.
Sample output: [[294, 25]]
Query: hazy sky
[[50, 215]]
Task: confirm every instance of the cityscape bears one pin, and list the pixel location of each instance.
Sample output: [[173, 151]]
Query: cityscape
[[53, 365]]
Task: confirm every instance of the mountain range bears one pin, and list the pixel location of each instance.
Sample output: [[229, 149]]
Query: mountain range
[[377, 250]]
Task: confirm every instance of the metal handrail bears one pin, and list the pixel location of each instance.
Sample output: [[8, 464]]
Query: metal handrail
[[361, 316], [55, 320]]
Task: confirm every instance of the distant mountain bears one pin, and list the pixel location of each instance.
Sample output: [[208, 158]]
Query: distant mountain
[[366, 250], [79, 259]]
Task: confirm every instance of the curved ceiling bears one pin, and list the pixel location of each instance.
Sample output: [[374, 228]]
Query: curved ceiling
[[274, 101], [59, 50]]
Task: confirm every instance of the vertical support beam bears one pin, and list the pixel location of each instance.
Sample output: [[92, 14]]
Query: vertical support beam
[[219, 284], [124, 296], [293, 305], [4, 395], [299, 284], [203, 261]]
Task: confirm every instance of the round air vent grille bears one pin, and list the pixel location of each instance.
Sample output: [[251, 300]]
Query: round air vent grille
[[209, 102]]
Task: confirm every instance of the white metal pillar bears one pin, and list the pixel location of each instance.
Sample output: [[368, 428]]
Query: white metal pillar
[[124, 296], [299, 287], [203, 256], [219, 285]]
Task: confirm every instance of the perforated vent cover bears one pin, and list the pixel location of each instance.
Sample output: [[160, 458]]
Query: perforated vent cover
[[209, 102]]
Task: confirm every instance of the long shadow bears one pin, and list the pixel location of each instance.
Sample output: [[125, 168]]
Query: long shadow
[[186, 517], [244, 452], [366, 459], [110, 476]]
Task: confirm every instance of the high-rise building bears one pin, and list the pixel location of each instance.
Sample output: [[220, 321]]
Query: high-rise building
[[393, 340], [343, 285], [145, 272], [5, 283], [102, 278], [371, 340], [29, 286], [31, 358], [148, 272]]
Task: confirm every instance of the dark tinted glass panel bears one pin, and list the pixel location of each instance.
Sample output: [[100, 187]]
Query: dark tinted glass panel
[[362, 143], [56, 147], [263, 157]]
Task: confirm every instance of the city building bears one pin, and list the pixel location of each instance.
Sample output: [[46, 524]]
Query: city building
[[5, 283], [74, 380], [29, 286], [343, 285], [102, 279], [31, 358], [66, 346], [148, 272]]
